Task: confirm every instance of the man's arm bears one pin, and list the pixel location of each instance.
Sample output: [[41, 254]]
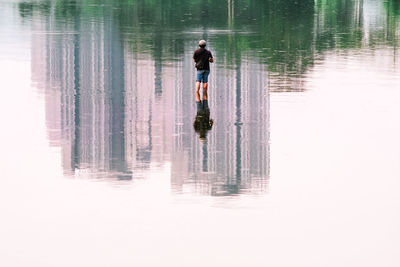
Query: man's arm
[[211, 59]]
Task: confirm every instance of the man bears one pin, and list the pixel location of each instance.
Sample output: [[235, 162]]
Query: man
[[202, 57]]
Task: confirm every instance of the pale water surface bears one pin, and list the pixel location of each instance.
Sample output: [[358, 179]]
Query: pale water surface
[[101, 164]]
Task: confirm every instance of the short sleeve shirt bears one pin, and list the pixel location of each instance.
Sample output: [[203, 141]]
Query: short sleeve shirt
[[201, 57]]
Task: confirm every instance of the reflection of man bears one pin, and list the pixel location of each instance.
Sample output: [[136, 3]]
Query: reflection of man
[[202, 57], [202, 123]]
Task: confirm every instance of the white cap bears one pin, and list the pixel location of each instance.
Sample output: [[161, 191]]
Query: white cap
[[202, 43]]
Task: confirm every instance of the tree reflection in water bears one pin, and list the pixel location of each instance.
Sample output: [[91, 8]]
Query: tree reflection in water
[[118, 79]]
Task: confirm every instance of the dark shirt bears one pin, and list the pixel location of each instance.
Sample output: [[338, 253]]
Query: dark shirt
[[201, 57]]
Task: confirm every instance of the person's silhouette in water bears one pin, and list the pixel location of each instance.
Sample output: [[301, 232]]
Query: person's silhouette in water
[[202, 123]]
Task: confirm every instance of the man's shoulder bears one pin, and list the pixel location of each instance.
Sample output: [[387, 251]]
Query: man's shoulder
[[202, 52]]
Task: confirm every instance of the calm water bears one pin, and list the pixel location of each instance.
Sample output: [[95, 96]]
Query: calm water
[[101, 164]]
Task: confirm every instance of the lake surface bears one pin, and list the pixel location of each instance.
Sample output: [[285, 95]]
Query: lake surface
[[101, 164]]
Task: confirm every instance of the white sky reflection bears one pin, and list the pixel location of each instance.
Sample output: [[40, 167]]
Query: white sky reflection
[[333, 195]]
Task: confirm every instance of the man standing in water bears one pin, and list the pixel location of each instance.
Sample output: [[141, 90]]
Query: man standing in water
[[202, 57]]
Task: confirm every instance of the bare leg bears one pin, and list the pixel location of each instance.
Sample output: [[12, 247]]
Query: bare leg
[[205, 91], [197, 91]]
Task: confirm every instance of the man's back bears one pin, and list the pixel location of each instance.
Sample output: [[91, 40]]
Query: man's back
[[201, 57]]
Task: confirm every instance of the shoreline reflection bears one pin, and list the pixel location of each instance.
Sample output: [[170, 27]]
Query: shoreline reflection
[[119, 114], [118, 91]]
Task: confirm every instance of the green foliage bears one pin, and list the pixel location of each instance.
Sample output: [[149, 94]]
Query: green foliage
[[285, 35]]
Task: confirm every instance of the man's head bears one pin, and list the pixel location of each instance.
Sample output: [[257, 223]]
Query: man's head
[[202, 43]]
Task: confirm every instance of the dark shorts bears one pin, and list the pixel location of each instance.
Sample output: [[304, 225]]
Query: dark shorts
[[202, 76]]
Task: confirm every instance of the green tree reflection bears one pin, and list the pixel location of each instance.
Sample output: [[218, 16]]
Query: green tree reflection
[[286, 35]]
